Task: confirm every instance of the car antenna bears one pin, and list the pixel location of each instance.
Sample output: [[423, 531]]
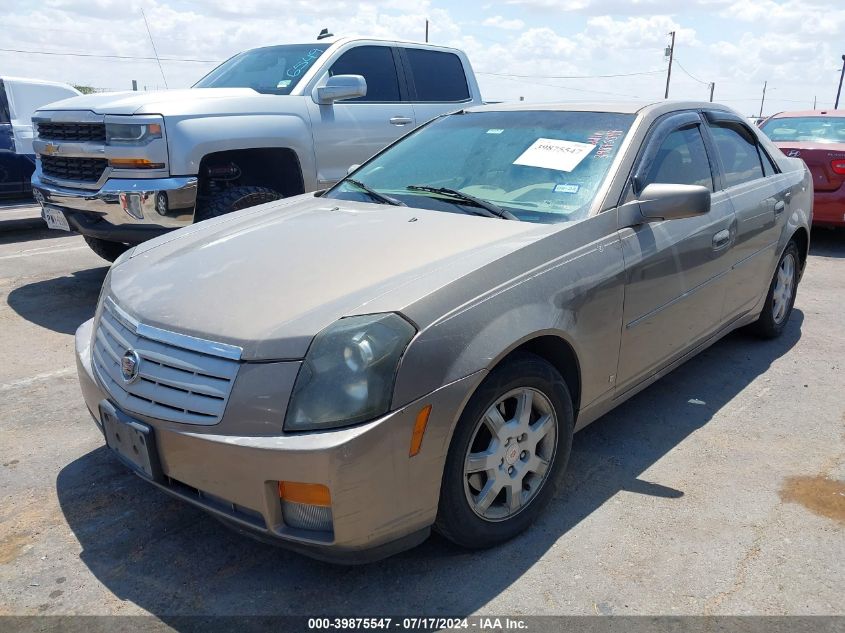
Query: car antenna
[[324, 34]]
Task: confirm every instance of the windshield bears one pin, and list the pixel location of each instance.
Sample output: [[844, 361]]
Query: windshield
[[537, 166], [272, 70], [806, 128]]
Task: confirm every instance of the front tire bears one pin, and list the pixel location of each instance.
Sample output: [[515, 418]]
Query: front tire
[[508, 454], [109, 251], [237, 198], [781, 296]]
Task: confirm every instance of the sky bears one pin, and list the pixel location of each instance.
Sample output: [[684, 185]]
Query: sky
[[542, 50]]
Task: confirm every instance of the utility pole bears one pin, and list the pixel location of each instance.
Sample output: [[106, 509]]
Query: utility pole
[[838, 92], [712, 88], [814, 102], [671, 57], [763, 100], [426, 31]]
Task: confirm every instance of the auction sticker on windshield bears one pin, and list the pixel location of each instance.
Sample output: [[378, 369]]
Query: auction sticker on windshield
[[550, 153]]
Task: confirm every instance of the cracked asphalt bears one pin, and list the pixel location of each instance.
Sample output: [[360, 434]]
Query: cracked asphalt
[[719, 490]]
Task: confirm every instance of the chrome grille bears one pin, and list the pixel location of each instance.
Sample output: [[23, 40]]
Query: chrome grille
[[80, 132], [175, 382], [76, 169]]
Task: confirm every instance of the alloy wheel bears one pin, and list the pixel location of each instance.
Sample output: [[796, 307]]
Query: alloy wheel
[[784, 288], [510, 454]]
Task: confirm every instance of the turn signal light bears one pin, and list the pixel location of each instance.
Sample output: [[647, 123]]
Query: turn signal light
[[419, 430], [134, 163], [311, 494], [838, 166]]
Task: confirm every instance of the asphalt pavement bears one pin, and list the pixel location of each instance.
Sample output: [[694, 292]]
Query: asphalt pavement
[[719, 490]]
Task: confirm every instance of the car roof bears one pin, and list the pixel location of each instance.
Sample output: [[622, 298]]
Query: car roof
[[797, 113], [622, 107], [337, 39]]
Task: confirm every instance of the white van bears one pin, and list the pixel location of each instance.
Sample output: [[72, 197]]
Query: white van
[[19, 99]]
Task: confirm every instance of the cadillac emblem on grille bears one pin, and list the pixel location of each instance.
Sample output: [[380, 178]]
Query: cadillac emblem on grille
[[129, 365]]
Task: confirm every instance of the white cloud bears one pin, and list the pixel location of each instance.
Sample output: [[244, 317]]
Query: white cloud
[[794, 44], [497, 21]]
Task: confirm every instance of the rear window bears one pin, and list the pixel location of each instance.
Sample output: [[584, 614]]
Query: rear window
[[4, 105], [810, 128], [438, 76]]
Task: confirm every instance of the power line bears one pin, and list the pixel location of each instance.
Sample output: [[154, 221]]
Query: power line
[[155, 52], [645, 72], [125, 57], [688, 74], [584, 90]]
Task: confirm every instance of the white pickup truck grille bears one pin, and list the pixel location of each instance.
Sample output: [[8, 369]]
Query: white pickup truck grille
[[179, 378]]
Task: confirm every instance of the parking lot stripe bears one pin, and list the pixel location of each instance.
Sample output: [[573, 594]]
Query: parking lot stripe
[[25, 382], [42, 251]]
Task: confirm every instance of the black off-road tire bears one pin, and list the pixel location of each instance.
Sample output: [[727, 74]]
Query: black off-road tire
[[109, 251], [237, 198], [766, 326], [456, 520]]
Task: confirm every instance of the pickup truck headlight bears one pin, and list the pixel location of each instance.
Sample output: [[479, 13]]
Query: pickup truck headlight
[[132, 133], [348, 373]]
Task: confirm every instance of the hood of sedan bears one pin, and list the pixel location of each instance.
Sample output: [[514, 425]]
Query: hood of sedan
[[270, 278]]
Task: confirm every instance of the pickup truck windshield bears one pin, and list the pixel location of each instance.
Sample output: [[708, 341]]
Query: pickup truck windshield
[[806, 128], [539, 166], [271, 70]]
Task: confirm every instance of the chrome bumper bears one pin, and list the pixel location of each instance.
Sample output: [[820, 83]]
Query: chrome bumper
[[166, 203]]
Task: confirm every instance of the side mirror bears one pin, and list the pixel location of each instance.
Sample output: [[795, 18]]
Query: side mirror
[[672, 202], [342, 87], [352, 168]]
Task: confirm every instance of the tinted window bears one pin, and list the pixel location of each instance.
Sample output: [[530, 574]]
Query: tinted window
[[739, 155], [438, 76], [681, 160], [768, 164], [269, 70], [4, 106], [376, 65]]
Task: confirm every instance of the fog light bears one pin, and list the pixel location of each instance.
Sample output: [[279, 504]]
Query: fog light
[[306, 506], [131, 203]]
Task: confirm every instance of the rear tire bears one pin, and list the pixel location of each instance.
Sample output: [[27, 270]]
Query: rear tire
[[781, 296], [494, 484], [237, 198], [109, 251]]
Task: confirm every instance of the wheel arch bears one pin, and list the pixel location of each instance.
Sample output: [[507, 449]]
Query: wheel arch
[[556, 351], [802, 239], [278, 168]]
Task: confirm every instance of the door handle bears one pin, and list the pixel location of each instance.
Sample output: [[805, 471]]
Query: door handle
[[780, 205], [400, 120], [721, 239]]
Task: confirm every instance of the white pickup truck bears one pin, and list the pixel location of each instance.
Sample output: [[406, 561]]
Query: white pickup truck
[[271, 122]]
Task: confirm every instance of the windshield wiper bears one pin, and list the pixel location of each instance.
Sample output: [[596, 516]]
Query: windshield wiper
[[493, 210], [375, 195]]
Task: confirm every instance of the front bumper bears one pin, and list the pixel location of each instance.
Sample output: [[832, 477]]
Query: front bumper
[[382, 500], [130, 211]]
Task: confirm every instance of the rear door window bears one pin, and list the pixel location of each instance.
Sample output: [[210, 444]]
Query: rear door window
[[437, 76], [739, 155], [376, 65]]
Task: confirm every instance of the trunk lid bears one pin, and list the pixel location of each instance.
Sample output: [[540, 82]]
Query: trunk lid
[[819, 158]]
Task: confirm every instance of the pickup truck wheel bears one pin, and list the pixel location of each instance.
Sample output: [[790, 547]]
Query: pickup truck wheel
[[107, 250], [237, 198], [507, 455]]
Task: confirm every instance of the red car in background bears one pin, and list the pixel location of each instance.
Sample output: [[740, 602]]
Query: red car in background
[[817, 136]]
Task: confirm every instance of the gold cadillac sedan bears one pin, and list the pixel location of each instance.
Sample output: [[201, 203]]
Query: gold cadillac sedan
[[343, 371]]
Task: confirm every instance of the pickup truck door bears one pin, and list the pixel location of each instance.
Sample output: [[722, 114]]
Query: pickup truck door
[[676, 270], [349, 132]]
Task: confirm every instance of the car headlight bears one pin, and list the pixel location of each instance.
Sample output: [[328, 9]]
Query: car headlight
[[348, 373], [132, 133]]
